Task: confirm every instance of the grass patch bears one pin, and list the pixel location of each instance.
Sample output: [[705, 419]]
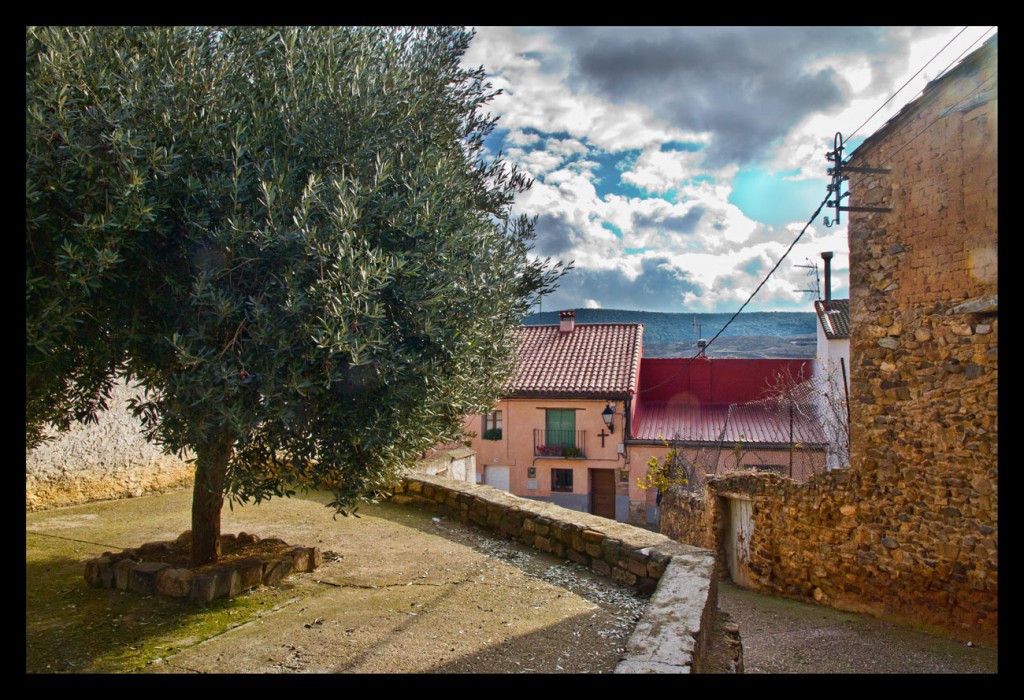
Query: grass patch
[[71, 627]]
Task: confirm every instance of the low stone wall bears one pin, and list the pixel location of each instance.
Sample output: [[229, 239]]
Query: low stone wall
[[159, 568], [859, 543], [672, 635], [100, 461]]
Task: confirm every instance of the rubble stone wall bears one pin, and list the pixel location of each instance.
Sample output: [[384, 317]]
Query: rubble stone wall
[[911, 530], [853, 542]]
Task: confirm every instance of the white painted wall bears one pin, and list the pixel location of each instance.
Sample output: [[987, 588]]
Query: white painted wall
[[832, 356], [100, 461]]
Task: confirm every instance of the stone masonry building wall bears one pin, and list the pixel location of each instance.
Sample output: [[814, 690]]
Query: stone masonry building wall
[[924, 343], [910, 531]]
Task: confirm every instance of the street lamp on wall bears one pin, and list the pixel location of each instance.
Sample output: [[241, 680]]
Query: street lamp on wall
[[608, 415]]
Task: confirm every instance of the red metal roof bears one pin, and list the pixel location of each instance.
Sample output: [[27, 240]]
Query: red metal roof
[[704, 380], [594, 360], [760, 422], [836, 320]]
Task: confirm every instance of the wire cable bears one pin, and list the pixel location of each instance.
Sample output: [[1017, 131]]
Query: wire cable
[[980, 89], [749, 299], [906, 83], [776, 267], [964, 52], [825, 201]]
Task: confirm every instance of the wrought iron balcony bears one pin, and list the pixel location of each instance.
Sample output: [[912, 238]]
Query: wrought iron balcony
[[569, 444]]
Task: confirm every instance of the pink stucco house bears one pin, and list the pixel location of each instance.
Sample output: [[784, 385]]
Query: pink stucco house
[[585, 412], [558, 432]]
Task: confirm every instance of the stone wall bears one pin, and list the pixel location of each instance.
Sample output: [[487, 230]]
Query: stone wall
[[924, 344], [457, 463], [100, 461], [673, 634], [924, 280], [910, 532], [856, 543]]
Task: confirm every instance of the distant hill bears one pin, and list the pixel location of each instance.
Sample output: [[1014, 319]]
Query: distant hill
[[757, 334]]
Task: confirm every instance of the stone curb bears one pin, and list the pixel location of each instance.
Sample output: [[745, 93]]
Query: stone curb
[[140, 570]]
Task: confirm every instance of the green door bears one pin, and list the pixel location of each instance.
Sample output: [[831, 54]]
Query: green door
[[561, 427]]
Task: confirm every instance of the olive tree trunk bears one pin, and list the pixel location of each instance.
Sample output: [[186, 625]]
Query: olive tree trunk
[[208, 500]]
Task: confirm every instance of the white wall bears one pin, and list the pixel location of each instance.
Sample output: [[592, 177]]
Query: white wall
[[100, 461], [832, 357]]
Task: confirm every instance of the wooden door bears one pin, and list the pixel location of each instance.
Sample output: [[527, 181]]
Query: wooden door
[[739, 526], [602, 492]]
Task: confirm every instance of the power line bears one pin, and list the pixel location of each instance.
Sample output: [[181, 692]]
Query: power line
[[752, 295], [825, 201], [906, 83], [776, 267], [980, 89], [964, 52]]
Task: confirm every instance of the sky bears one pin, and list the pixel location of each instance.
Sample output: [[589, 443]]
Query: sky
[[676, 165]]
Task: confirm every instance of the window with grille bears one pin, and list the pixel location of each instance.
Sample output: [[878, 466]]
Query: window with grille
[[561, 480]]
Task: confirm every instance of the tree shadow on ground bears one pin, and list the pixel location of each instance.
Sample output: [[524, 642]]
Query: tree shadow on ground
[[71, 627]]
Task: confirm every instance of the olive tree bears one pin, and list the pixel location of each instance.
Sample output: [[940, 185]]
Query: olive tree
[[293, 239]]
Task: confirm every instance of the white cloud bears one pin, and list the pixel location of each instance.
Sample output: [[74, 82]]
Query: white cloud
[[566, 147], [750, 97], [518, 137], [659, 171], [538, 96], [536, 163]]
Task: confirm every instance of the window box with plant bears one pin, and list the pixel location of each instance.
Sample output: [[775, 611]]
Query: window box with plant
[[562, 450], [492, 426]]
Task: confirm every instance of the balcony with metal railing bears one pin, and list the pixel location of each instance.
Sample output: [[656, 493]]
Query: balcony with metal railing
[[568, 444]]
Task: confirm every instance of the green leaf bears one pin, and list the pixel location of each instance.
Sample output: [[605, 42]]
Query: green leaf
[[289, 237]]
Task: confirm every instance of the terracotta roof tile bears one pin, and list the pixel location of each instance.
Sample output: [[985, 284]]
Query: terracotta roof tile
[[835, 321], [594, 360]]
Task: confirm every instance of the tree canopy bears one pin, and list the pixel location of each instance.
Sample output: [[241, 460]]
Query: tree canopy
[[294, 239]]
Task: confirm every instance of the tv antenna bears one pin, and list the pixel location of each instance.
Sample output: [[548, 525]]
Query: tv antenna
[[815, 288]]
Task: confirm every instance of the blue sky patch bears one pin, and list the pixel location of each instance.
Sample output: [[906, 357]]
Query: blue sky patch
[[681, 146], [608, 172], [769, 197], [613, 228]]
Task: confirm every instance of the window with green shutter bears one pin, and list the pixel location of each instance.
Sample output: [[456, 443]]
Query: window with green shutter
[[561, 427]]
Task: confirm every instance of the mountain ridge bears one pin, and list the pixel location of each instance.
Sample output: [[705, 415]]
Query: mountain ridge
[[770, 334]]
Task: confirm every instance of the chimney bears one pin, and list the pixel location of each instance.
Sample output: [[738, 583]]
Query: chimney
[[827, 257], [567, 321], [702, 345]]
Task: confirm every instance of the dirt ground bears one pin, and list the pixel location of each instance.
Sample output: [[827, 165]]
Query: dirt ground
[[403, 591], [400, 591]]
